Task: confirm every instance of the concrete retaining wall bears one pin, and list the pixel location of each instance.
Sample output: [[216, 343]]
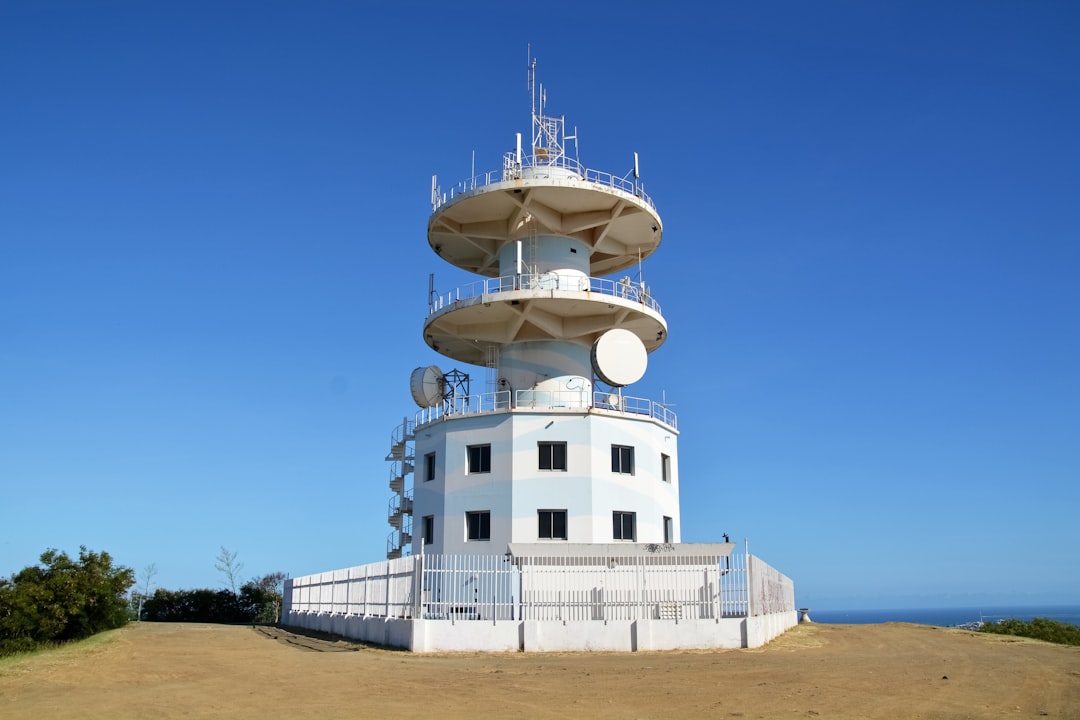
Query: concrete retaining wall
[[549, 636]]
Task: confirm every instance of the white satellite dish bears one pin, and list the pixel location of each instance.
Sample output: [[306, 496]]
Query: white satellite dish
[[619, 357], [427, 386]]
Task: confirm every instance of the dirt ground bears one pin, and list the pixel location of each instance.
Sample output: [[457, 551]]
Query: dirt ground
[[152, 670]]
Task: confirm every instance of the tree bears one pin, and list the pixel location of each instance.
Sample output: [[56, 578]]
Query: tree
[[270, 587], [62, 599], [148, 574], [230, 567]]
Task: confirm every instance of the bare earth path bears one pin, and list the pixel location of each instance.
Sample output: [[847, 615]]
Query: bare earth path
[[155, 670]]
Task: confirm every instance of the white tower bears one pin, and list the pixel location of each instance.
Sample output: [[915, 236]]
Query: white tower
[[557, 447]]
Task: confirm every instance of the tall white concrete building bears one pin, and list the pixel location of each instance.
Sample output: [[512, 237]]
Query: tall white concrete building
[[535, 496], [530, 431]]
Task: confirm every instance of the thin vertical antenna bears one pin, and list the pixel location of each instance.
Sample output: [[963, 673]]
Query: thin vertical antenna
[[532, 83]]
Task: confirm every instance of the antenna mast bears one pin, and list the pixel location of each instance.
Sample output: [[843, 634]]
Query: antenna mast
[[547, 132]]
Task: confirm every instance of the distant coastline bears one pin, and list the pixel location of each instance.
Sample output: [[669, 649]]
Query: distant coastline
[[947, 617]]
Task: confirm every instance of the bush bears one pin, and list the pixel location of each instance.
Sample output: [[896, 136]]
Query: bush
[[62, 599], [254, 603], [1039, 629]]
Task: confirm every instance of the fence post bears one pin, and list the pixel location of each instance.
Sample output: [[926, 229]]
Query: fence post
[[749, 579], [418, 584], [365, 586]]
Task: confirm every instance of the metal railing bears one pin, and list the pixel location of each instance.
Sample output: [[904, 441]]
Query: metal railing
[[570, 170], [553, 400], [632, 588], [497, 587], [625, 289], [468, 587]]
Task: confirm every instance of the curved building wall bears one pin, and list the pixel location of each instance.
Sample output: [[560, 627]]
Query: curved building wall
[[559, 463]]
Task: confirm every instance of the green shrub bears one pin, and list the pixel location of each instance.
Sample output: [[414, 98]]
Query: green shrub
[[62, 599], [1039, 629], [254, 603]]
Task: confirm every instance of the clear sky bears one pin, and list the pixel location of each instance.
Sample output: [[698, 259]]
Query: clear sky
[[213, 272]]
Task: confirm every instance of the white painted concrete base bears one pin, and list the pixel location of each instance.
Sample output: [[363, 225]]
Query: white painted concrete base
[[550, 635]]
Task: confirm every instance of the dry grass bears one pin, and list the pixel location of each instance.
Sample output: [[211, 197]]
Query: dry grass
[[828, 671]]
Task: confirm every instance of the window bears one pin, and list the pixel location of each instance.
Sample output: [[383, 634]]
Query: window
[[552, 524], [478, 525], [552, 455], [479, 458], [623, 525], [669, 530], [427, 529], [622, 459], [665, 467], [429, 467]]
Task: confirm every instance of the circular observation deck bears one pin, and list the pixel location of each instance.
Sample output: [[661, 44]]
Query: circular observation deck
[[464, 324], [615, 220]]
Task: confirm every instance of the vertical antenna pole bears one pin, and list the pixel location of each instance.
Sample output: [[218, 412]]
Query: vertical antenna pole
[[532, 83]]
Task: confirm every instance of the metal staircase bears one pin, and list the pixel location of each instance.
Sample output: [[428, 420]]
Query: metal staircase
[[399, 511]]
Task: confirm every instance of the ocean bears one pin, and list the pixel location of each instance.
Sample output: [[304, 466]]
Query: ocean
[[948, 617]]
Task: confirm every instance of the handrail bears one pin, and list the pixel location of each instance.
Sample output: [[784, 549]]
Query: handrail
[[512, 170], [624, 288], [504, 401]]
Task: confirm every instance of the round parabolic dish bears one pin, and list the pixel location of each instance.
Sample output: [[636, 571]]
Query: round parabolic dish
[[619, 358], [426, 386]]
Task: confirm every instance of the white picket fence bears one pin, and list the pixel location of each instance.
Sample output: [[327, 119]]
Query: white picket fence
[[650, 586]]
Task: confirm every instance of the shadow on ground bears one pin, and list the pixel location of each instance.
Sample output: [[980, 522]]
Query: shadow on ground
[[311, 640]]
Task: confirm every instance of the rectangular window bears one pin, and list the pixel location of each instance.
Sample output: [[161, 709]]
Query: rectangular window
[[622, 459], [478, 525], [427, 530], [552, 524], [429, 467], [479, 458], [552, 456], [624, 525], [665, 467], [669, 530]]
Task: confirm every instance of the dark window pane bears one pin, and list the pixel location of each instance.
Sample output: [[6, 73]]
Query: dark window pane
[[478, 525], [552, 455], [479, 458], [623, 525], [558, 525], [558, 456]]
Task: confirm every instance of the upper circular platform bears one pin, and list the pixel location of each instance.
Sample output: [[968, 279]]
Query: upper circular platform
[[464, 329], [615, 219]]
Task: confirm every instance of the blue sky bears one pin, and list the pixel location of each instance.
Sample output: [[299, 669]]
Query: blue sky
[[213, 272]]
